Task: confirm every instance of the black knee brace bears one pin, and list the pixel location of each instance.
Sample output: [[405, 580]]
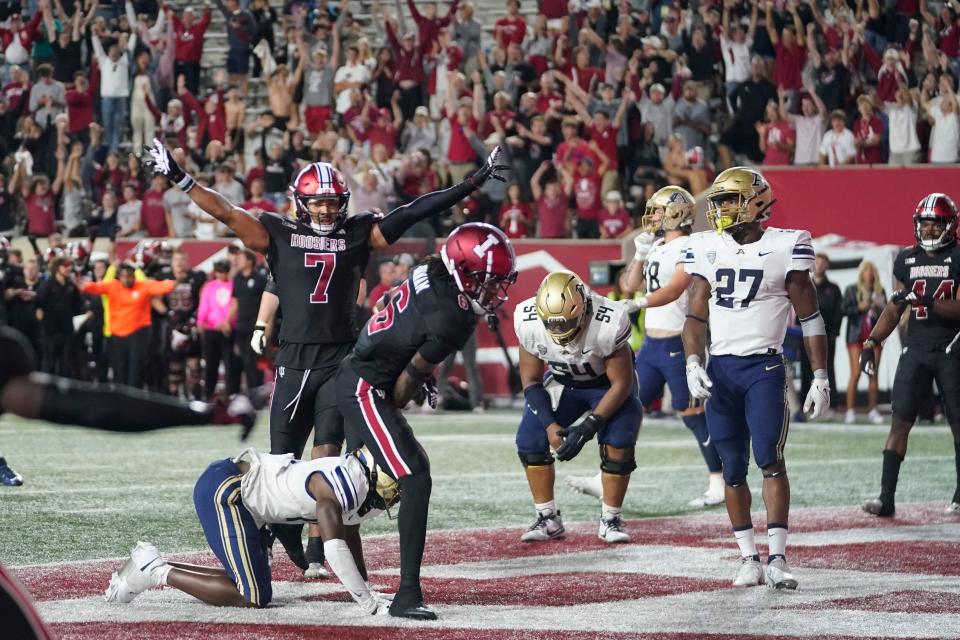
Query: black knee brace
[[776, 470], [541, 459], [617, 467]]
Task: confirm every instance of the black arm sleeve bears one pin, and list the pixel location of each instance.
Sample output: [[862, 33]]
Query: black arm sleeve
[[396, 223]]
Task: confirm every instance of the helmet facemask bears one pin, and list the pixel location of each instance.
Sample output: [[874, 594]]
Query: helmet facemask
[[325, 222], [562, 305], [947, 237]]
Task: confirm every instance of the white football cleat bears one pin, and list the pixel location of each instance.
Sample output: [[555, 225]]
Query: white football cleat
[[850, 417], [875, 417], [953, 508], [140, 572], [708, 499], [750, 573], [316, 571], [778, 574], [545, 528], [592, 486], [612, 531]]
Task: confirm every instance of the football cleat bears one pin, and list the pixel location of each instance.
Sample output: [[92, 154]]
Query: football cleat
[[875, 417], [880, 508], [414, 612], [316, 571], [545, 528], [612, 531], [750, 572], [708, 499], [591, 486], [140, 572], [953, 508], [778, 574], [8, 476]]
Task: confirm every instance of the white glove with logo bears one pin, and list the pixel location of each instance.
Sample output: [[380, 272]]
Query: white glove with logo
[[642, 243], [632, 305], [258, 342], [818, 398], [697, 379]]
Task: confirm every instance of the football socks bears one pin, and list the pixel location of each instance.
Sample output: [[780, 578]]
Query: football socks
[[777, 539], [748, 546]]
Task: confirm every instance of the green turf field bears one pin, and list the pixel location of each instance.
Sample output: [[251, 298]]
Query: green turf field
[[90, 494]]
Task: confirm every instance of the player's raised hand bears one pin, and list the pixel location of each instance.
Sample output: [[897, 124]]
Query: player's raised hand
[[697, 379], [578, 435], [818, 398], [159, 159], [491, 168]]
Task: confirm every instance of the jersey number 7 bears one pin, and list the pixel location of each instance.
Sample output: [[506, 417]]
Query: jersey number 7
[[327, 263]]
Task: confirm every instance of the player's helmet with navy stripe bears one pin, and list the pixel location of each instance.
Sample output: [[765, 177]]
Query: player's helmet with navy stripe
[[739, 195], [316, 183], [481, 261], [939, 208]]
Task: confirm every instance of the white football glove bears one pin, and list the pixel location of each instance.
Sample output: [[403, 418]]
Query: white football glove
[[642, 243], [258, 342], [818, 398], [632, 305], [697, 379]]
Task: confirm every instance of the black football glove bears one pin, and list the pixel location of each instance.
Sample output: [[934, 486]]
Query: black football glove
[[906, 296], [490, 169], [159, 159], [578, 435], [430, 392]]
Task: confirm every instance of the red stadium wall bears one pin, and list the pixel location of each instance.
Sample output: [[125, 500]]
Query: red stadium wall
[[859, 203]]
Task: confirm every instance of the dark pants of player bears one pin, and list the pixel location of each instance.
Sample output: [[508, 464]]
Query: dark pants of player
[[218, 348], [917, 369], [747, 402], [305, 399], [127, 356], [620, 432], [371, 419], [231, 531], [661, 361], [246, 365], [56, 354]]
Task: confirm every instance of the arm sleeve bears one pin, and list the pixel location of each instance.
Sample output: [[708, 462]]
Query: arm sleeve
[[96, 288], [341, 561], [395, 223], [802, 256]]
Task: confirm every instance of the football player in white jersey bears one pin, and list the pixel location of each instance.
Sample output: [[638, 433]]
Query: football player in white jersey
[[745, 279], [575, 359], [657, 269], [234, 498]]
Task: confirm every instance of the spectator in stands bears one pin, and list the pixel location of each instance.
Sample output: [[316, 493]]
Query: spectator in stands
[[20, 290], [832, 76], [258, 202], [17, 38], [114, 85], [80, 106], [838, 146], [154, 218], [749, 102], [809, 125], [515, 216], [735, 46], [680, 167], [790, 48], [777, 138], [428, 24], [47, 92], [318, 88], [409, 68], [387, 273], [583, 184], [367, 192], [57, 302], [614, 220], [189, 36], [511, 28], [942, 113], [418, 134], [691, 117], [466, 33], [130, 303], [129, 218], [902, 118], [868, 131], [104, 218], [241, 28]]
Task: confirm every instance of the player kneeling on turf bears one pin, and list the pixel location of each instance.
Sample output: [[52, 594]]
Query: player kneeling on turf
[[235, 497], [580, 340]]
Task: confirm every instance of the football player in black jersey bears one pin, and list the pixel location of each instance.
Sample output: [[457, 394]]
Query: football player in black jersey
[[927, 276], [429, 315], [317, 260], [178, 332]]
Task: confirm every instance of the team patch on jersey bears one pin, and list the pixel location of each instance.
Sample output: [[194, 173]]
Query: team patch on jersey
[[930, 271], [462, 301], [910, 261], [711, 256]]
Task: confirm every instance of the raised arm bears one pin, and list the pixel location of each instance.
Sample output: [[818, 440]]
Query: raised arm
[[771, 25], [250, 231]]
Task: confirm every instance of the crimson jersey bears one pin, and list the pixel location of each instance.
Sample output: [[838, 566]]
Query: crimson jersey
[[318, 277], [183, 301], [426, 313], [937, 275]]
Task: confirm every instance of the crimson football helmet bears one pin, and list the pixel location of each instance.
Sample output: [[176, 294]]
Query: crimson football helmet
[[938, 207], [320, 181], [481, 260]]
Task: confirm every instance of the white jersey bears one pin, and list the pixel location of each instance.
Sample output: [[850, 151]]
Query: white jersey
[[580, 363], [749, 308], [659, 267], [275, 487]]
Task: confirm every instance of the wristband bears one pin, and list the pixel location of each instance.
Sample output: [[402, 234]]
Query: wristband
[[186, 183], [870, 343], [415, 373], [820, 374], [694, 359]]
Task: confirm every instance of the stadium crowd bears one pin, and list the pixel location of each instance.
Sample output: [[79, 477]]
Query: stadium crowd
[[597, 104]]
